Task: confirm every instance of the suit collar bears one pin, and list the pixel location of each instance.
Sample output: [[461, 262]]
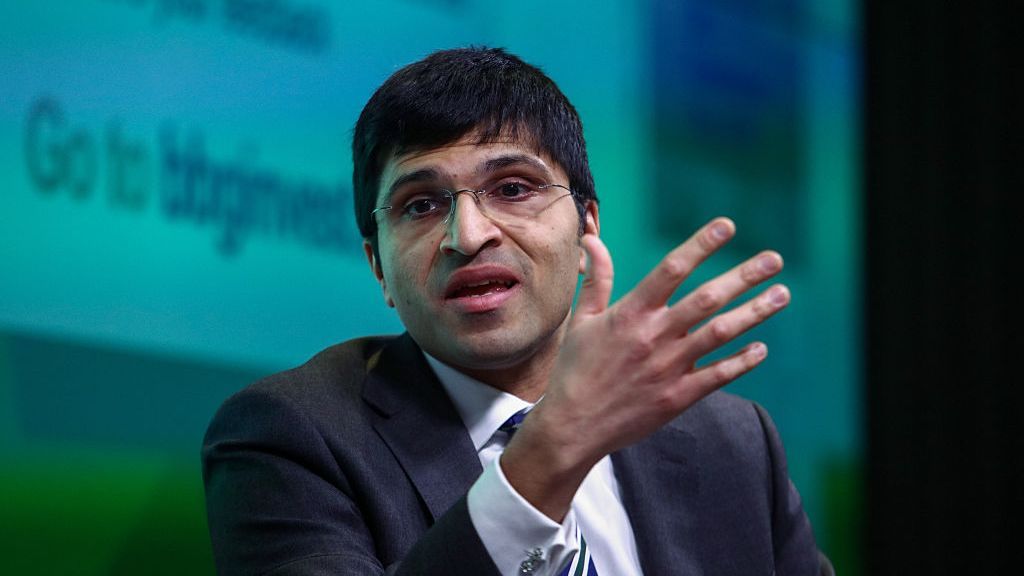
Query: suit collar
[[659, 482], [416, 419]]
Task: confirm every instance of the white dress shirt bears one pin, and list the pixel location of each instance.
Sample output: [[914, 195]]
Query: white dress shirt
[[516, 534]]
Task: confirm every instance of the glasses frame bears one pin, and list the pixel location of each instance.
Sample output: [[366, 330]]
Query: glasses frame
[[476, 195]]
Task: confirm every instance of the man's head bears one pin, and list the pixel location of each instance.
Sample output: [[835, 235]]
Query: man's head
[[488, 289], [447, 95]]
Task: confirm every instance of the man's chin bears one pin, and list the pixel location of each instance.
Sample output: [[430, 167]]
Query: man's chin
[[484, 350], [489, 352]]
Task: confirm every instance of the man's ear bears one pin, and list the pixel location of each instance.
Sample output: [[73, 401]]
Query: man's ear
[[378, 273], [591, 225]]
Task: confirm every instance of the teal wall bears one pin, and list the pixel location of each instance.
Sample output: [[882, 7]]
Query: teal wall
[[175, 222]]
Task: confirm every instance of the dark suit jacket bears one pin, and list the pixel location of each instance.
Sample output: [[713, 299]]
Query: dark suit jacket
[[358, 463]]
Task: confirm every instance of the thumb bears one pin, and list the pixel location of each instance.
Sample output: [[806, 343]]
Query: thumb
[[596, 290]]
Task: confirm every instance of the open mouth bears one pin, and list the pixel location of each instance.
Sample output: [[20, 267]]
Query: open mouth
[[482, 288]]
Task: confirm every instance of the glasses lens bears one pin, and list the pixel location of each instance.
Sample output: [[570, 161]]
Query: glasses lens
[[519, 200]]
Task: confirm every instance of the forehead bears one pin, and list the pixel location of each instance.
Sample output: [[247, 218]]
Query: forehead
[[467, 160]]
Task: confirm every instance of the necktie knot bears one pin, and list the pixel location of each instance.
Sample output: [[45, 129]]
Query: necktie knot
[[513, 423]]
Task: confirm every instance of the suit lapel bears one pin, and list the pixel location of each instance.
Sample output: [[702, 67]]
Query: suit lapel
[[659, 481], [420, 425]]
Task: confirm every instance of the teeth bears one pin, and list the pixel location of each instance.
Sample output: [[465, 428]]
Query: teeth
[[486, 282]]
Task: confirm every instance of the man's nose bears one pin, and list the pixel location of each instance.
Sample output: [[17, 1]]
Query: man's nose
[[468, 229]]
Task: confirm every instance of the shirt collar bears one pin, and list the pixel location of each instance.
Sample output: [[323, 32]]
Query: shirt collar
[[483, 408]]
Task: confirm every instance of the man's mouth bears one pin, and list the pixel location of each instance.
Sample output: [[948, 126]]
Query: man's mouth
[[480, 289], [483, 288]]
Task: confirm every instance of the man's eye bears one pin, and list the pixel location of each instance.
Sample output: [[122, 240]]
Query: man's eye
[[512, 191], [421, 207]]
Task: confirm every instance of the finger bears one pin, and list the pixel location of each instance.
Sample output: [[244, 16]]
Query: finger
[[596, 290], [705, 380], [714, 294], [657, 287], [727, 326]]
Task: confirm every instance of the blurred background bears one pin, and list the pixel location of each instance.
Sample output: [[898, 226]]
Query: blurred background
[[176, 221]]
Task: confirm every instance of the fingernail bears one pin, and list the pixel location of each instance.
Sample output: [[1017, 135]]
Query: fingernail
[[720, 231], [769, 263], [758, 350], [778, 295]]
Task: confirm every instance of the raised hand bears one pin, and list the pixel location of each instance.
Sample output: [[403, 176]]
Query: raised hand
[[627, 369]]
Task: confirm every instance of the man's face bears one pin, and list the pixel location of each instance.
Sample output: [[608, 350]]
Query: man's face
[[474, 292]]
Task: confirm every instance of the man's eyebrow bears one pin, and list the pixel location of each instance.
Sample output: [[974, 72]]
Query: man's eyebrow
[[421, 175], [504, 161]]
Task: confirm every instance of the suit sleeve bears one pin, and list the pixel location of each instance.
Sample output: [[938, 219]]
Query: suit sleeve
[[279, 503], [793, 539]]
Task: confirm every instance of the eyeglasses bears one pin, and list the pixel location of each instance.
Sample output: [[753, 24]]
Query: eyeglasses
[[506, 201]]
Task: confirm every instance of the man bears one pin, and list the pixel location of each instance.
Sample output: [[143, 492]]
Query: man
[[410, 454]]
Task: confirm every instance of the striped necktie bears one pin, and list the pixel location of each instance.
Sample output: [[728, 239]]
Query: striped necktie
[[582, 563]]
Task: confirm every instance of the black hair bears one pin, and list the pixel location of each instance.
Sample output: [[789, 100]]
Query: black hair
[[448, 94]]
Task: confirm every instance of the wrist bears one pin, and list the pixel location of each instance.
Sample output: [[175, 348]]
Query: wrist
[[545, 468]]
